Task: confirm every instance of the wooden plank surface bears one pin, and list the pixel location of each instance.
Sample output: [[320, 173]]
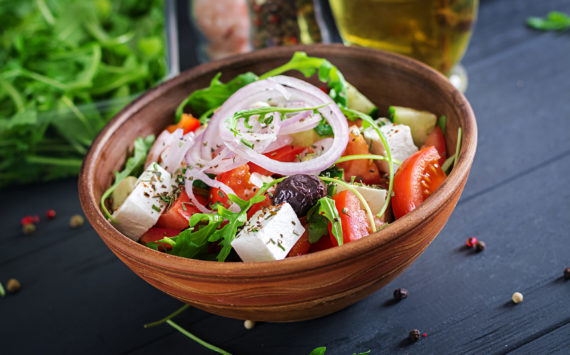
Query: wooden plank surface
[[77, 297]]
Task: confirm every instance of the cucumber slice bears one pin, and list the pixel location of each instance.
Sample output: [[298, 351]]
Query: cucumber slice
[[122, 191], [305, 138], [421, 123], [357, 101]]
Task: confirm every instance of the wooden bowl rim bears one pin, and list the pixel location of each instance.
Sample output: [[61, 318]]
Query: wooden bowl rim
[[306, 263]]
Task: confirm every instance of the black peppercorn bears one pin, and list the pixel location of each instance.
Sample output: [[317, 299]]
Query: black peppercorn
[[567, 273], [414, 335], [400, 294], [480, 246]]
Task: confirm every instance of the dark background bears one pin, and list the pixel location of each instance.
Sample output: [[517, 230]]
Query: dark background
[[77, 297]]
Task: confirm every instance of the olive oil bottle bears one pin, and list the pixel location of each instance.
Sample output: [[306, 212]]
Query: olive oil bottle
[[435, 32]]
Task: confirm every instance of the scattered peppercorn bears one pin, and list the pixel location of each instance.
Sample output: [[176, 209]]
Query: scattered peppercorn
[[29, 228], [249, 324], [30, 219], [517, 297], [76, 221], [480, 246], [567, 273], [400, 294], [471, 241], [50, 214], [13, 286], [414, 335]]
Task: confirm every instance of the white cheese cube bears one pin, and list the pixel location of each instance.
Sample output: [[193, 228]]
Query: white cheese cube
[[399, 139], [269, 234], [258, 179], [143, 207], [374, 197]]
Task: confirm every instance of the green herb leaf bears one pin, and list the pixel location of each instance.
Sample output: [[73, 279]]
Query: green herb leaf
[[133, 166], [206, 100], [319, 217], [442, 124], [333, 172], [324, 129], [308, 66], [318, 351], [555, 21]]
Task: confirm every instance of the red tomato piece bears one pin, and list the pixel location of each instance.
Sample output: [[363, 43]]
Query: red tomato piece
[[154, 234], [364, 170], [352, 217], [188, 123], [322, 244], [179, 213], [238, 180], [416, 179], [256, 207], [302, 246], [436, 139], [284, 154]]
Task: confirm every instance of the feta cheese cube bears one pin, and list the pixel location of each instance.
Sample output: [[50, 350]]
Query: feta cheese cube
[[258, 179], [143, 207], [399, 139], [269, 234], [374, 197]]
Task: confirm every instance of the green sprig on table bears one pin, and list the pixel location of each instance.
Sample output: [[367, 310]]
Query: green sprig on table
[[66, 67], [554, 21]]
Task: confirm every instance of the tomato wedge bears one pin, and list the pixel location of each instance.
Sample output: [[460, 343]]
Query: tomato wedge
[[188, 123], [179, 213], [352, 217], [436, 139], [416, 179], [322, 244], [238, 180], [302, 246], [363, 169], [284, 154], [154, 234]]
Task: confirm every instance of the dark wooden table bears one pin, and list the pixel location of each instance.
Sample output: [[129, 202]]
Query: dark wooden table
[[77, 297]]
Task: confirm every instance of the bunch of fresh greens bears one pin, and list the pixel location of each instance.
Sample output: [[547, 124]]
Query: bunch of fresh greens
[[555, 21], [319, 217], [58, 59]]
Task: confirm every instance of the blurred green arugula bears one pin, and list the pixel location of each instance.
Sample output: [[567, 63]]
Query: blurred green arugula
[[59, 60], [554, 21]]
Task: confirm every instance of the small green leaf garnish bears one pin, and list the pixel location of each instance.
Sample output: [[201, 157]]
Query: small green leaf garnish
[[319, 217], [442, 123], [327, 73], [319, 351], [333, 172], [324, 129], [554, 21], [450, 162]]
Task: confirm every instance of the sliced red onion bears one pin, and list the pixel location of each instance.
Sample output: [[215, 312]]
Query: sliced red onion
[[160, 144], [303, 124], [280, 142]]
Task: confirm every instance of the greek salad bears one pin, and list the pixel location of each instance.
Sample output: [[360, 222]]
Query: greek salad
[[268, 167]]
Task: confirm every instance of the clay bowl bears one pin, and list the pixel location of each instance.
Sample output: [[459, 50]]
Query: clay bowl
[[312, 285]]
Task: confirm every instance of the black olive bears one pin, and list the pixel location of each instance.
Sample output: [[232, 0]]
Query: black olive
[[300, 191]]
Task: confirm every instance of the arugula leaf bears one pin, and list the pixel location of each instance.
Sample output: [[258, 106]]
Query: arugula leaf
[[308, 66], [324, 129], [133, 166], [67, 67], [204, 100], [554, 21], [334, 172], [442, 123], [227, 233], [319, 351], [319, 217]]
